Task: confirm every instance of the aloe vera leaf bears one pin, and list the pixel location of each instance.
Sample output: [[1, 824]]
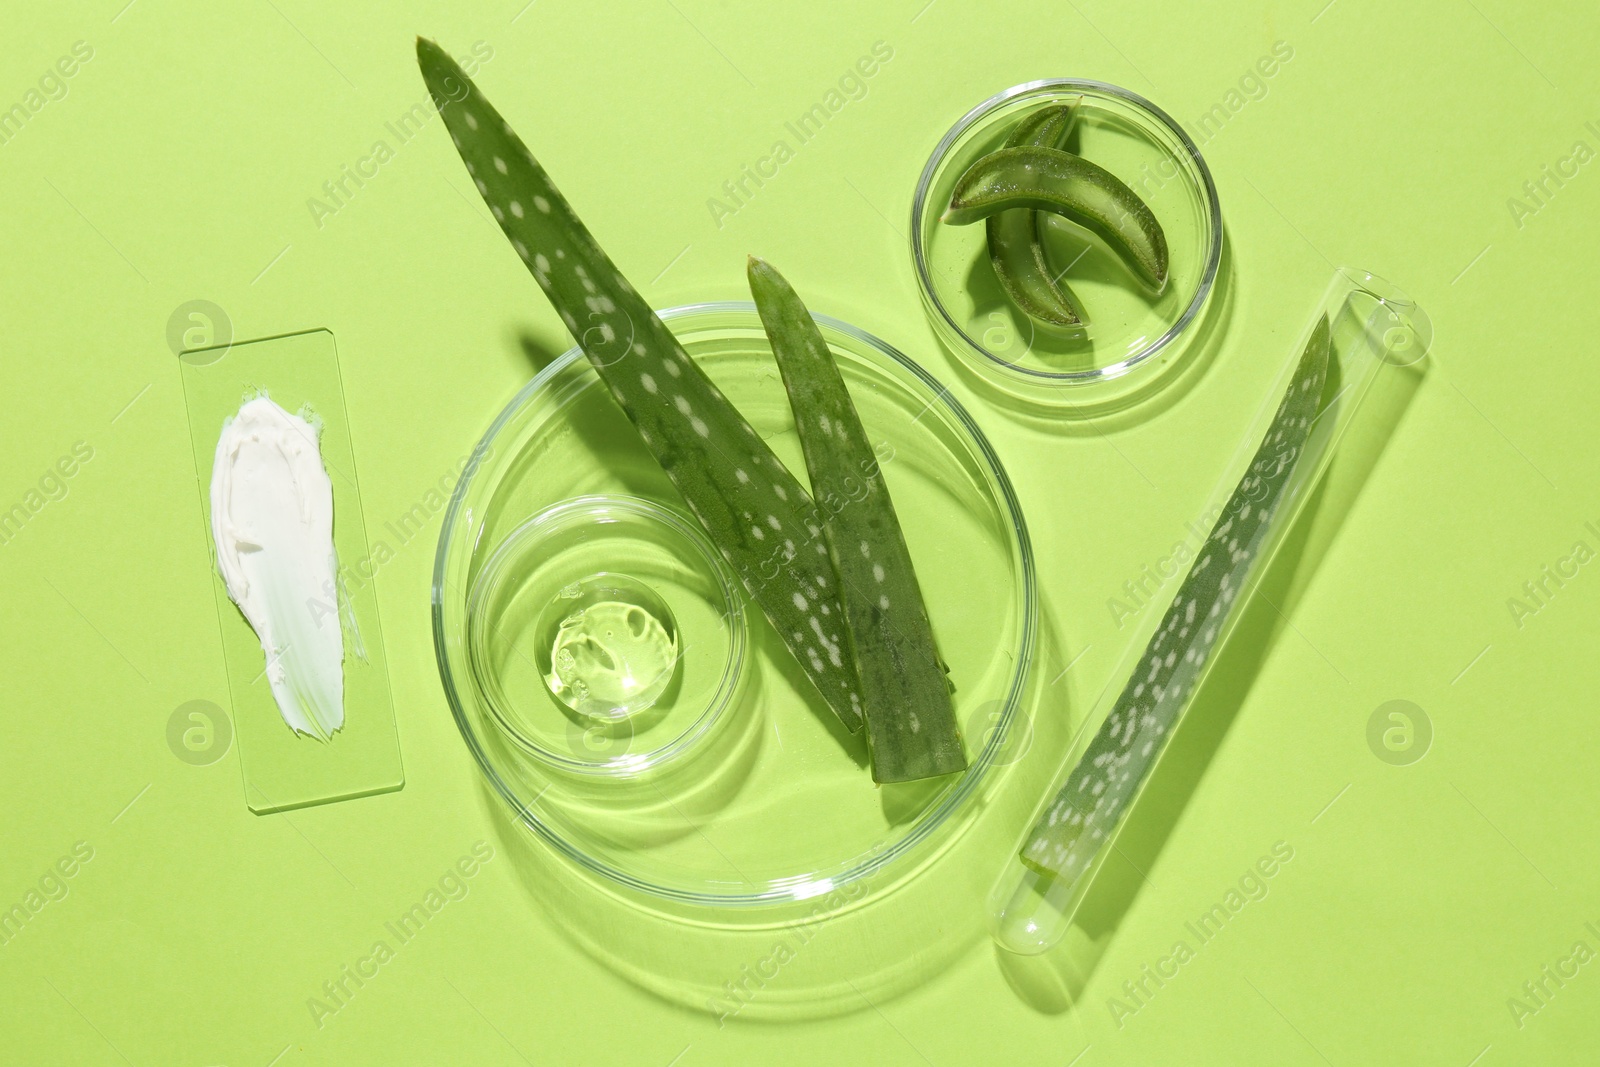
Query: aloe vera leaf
[[1105, 781], [911, 722], [1049, 179], [1016, 250], [755, 511]]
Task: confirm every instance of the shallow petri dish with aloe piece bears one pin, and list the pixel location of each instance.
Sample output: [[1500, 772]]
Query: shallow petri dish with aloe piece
[[1132, 331], [724, 789]]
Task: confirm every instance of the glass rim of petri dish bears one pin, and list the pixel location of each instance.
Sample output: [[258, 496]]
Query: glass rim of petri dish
[[603, 508]]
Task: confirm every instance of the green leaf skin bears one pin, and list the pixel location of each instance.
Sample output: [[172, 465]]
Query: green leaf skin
[[1100, 788], [1016, 250], [911, 722], [1048, 179], [755, 511]]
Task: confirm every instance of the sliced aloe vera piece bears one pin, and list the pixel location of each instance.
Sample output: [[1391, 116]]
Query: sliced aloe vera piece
[[1049, 126], [1108, 774], [757, 514], [1016, 250], [911, 723], [1049, 179]]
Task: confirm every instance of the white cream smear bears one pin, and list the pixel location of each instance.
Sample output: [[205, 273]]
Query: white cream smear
[[272, 521]]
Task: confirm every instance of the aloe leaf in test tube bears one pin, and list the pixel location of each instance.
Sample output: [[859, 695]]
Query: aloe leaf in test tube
[[1367, 338], [756, 512], [911, 722], [1097, 792]]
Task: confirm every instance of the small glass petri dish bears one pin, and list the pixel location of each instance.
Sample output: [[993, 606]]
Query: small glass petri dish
[[1132, 336], [606, 637]]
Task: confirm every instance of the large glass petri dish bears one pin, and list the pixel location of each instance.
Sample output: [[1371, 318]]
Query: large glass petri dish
[[767, 802]]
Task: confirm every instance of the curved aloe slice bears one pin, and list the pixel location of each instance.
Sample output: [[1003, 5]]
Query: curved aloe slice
[[1101, 787], [1015, 249], [753, 508], [911, 724], [1049, 179]]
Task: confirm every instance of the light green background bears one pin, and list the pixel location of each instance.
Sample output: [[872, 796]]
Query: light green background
[[179, 165]]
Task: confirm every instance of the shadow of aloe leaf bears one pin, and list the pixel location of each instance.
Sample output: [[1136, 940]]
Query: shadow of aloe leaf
[[769, 647], [605, 431], [537, 351], [904, 801]]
